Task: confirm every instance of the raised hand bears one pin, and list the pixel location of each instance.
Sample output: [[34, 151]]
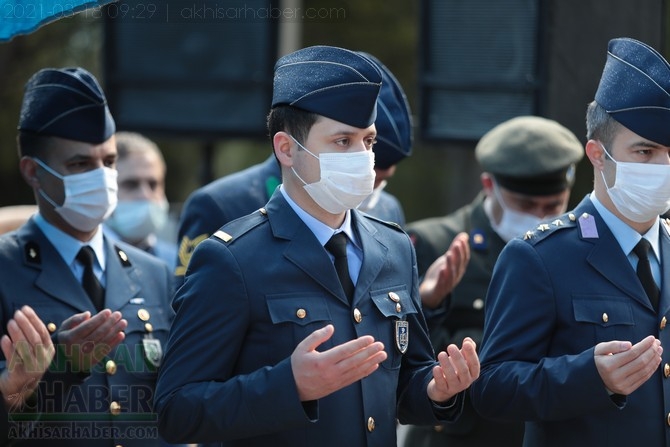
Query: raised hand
[[87, 339], [624, 367], [318, 374], [458, 368], [445, 272], [28, 351]]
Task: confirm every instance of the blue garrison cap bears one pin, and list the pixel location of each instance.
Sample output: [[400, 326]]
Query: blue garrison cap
[[333, 82], [66, 103], [393, 123], [635, 89]]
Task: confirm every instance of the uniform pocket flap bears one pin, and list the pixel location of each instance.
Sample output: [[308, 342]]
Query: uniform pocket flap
[[603, 310], [393, 301], [301, 309]]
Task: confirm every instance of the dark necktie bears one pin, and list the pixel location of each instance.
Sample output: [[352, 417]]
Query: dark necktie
[[644, 271], [92, 286], [337, 246]]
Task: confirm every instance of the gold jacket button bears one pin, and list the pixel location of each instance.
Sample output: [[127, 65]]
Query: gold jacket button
[[477, 304], [110, 367], [371, 424], [664, 321], [115, 408], [143, 314], [394, 297], [358, 316], [301, 313], [606, 317], [148, 327], [398, 307], [51, 327], [666, 370], [667, 419]]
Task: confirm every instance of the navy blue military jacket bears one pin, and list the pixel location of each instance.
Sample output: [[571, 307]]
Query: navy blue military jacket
[[238, 194], [113, 405], [256, 289], [387, 208], [221, 201], [554, 296]]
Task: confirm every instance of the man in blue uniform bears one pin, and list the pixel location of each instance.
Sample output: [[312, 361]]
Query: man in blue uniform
[[241, 193], [528, 165], [105, 304], [316, 335], [221, 201], [576, 311]]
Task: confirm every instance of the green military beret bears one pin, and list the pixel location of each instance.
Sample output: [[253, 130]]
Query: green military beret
[[530, 155]]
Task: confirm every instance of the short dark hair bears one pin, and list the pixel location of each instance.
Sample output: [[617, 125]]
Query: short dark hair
[[600, 125], [128, 143], [296, 122], [30, 144]]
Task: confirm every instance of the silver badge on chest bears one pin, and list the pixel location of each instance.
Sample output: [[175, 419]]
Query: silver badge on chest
[[401, 335], [153, 351]]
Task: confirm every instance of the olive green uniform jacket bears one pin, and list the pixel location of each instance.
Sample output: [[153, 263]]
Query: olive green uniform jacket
[[461, 315]]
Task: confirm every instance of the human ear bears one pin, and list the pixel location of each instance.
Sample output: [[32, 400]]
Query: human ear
[[282, 144], [596, 153], [487, 183], [28, 169]]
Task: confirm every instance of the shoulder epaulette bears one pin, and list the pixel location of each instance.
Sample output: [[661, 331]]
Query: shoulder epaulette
[[238, 227], [545, 229], [390, 224]]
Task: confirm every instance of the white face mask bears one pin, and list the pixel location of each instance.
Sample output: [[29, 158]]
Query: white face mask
[[513, 223], [135, 220], [90, 197], [641, 191], [346, 179]]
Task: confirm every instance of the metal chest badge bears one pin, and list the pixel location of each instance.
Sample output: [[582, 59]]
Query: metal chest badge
[[153, 351], [402, 335]]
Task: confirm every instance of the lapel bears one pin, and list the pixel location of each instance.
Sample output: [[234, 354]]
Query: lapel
[[665, 272], [608, 259], [121, 284], [301, 248], [374, 254], [54, 277]]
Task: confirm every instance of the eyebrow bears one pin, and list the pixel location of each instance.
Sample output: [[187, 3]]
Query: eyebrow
[[347, 132], [78, 157], [647, 144], [85, 157]]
